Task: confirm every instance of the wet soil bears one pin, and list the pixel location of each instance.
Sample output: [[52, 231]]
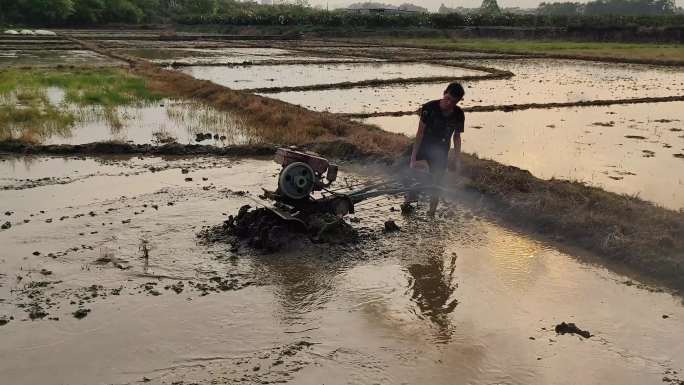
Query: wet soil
[[373, 311]]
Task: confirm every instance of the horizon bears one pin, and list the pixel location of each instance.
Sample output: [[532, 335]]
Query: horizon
[[433, 5]]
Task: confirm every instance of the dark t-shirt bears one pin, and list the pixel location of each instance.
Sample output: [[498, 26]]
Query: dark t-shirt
[[438, 130]]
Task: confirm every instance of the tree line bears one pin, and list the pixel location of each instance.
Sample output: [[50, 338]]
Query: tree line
[[597, 13], [610, 7]]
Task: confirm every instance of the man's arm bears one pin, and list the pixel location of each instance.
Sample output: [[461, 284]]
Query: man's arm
[[457, 148], [416, 145]]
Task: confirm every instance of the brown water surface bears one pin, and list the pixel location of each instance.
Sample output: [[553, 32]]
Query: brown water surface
[[454, 297]]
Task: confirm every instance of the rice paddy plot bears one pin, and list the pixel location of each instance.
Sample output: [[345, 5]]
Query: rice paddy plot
[[303, 75], [166, 122], [630, 149], [51, 58], [233, 55], [535, 81]]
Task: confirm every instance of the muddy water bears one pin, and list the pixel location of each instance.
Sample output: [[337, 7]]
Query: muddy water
[[535, 81], [160, 123], [630, 149], [220, 55], [9, 58], [402, 52], [301, 75], [455, 297]]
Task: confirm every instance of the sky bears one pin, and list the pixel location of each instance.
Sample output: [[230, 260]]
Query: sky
[[432, 5]]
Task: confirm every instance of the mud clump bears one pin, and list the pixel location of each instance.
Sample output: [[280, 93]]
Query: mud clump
[[81, 313], [391, 226], [264, 230], [571, 328]]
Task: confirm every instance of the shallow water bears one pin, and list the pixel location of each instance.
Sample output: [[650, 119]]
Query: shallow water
[[152, 123], [302, 75], [233, 55], [589, 144], [9, 58], [450, 298], [535, 81]]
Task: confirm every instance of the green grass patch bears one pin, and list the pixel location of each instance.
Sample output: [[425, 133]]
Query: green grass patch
[[108, 87], [569, 48], [28, 113]]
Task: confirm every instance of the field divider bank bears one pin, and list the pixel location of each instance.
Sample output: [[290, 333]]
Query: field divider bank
[[378, 83], [529, 106], [283, 62], [533, 54], [621, 230]]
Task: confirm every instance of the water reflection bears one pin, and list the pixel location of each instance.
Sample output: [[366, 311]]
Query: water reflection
[[432, 289]]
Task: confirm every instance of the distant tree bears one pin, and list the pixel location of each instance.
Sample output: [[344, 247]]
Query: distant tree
[[122, 11], [412, 7], [371, 5], [45, 11], [87, 12], [200, 7], [630, 7], [561, 9], [490, 7]]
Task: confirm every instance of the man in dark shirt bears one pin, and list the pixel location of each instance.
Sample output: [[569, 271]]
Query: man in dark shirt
[[440, 120]]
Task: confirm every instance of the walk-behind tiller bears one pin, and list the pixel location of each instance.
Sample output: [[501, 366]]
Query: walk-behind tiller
[[304, 202], [303, 173]]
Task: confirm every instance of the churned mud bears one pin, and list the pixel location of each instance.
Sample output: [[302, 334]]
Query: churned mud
[[109, 261]]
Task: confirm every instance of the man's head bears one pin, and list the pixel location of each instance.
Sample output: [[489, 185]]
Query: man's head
[[452, 95]]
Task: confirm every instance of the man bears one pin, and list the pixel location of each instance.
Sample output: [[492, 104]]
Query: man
[[440, 120]]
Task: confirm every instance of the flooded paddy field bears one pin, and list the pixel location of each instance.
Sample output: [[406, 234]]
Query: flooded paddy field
[[302, 75], [74, 279], [389, 52], [232, 55], [108, 273], [535, 81], [74, 107], [51, 58], [162, 122], [630, 149]]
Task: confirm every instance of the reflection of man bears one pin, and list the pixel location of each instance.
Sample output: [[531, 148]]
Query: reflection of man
[[439, 121]]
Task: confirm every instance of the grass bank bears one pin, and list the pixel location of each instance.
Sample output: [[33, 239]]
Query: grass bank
[[634, 52]]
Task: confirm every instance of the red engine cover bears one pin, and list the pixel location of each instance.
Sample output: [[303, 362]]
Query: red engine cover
[[285, 156]]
